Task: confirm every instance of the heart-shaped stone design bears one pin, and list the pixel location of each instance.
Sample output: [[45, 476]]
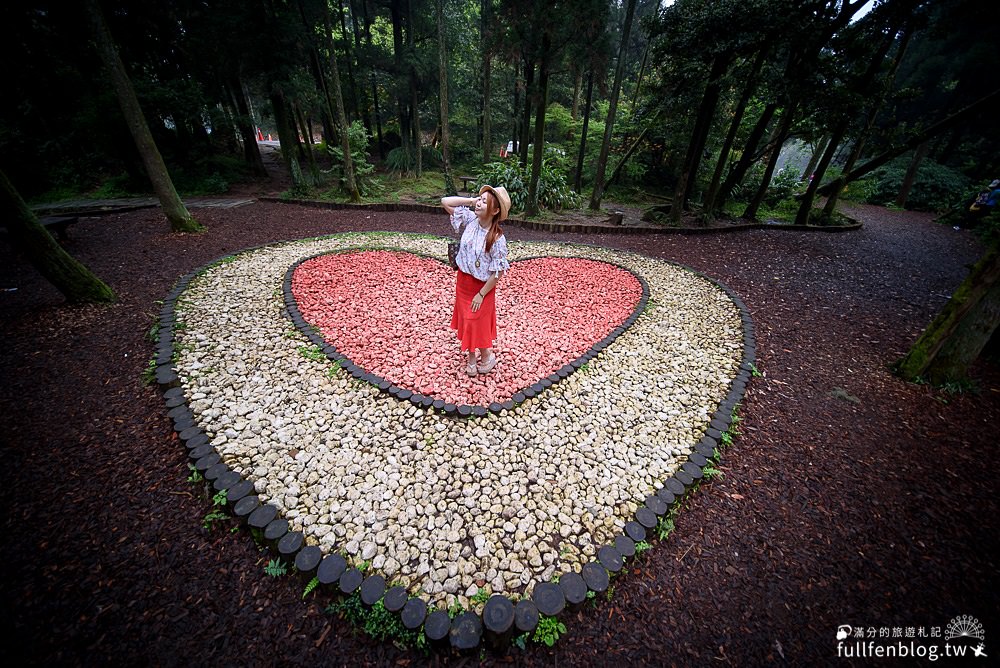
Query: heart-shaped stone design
[[388, 312], [440, 505]]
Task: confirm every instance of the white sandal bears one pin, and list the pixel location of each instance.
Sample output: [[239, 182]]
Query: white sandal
[[470, 369], [488, 365]]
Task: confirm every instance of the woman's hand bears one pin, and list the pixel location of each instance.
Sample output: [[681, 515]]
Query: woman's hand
[[477, 301]]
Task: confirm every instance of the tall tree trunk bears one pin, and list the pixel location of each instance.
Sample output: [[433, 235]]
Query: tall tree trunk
[[245, 125], [316, 69], [699, 137], [578, 179], [956, 336], [836, 137], [417, 141], [782, 134], [350, 182], [628, 154], [806, 205], [814, 158], [911, 174], [642, 71], [361, 101], [485, 23], [529, 98], [351, 83], [449, 183], [609, 124], [27, 235], [170, 202], [402, 111], [515, 117], [831, 202], [287, 139], [374, 83], [306, 146], [540, 103], [748, 157], [577, 88], [709, 208]]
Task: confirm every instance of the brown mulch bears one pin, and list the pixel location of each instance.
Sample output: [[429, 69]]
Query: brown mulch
[[877, 513]]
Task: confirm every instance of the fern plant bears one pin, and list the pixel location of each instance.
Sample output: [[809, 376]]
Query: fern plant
[[310, 586], [276, 568], [357, 138]]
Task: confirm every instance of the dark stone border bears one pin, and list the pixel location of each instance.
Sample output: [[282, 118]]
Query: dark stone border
[[467, 630], [535, 388], [579, 228]]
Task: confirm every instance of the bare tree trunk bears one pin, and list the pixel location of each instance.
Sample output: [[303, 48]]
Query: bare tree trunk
[[814, 158], [27, 235], [577, 183], [577, 88], [739, 172], [642, 70], [351, 83], [287, 139], [699, 138], [609, 124], [529, 97], [515, 129], [244, 122], [350, 182], [786, 125], [449, 183], [628, 154], [806, 205], [170, 202], [485, 7], [536, 159], [374, 84], [417, 141], [953, 341], [401, 103], [876, 106], [709, 208], [307, 145], [911, 174]]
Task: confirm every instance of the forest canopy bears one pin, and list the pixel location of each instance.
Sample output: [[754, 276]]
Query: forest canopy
[[714, 106]]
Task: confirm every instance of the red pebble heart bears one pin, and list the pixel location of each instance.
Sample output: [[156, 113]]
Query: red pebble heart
[[391, 311]]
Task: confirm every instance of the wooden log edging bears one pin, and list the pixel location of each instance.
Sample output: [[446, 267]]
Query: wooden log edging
[[468, 630], [573, 228]]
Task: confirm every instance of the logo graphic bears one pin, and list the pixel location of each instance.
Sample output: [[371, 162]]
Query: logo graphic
[[964, 626], [843, 631]]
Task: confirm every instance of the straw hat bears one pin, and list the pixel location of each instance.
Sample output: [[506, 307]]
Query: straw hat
[[502, 198]]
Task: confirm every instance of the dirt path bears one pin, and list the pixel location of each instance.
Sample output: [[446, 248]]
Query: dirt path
[[851, 498]]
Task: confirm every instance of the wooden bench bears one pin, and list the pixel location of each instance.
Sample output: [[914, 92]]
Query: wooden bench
[[465, 182], [59, 224]]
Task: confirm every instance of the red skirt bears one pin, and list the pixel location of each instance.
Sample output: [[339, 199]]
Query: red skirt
[[479, 329]]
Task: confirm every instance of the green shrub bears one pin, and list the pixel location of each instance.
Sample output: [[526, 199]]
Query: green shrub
[[399, 160], [935, 188], [554, 192], [783, 186]]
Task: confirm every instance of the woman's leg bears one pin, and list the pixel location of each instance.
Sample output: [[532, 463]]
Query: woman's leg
[[487, 360]]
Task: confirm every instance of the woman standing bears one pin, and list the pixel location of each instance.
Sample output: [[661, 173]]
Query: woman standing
[[482, 256]]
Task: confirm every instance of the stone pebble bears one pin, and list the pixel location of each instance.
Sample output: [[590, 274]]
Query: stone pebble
[[436, 503]]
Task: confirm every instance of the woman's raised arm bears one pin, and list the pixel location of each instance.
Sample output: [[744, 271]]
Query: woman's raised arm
[[449, 203]]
